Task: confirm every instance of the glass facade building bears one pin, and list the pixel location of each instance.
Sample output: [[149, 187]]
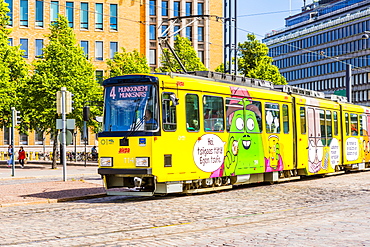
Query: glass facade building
[[315, 47]]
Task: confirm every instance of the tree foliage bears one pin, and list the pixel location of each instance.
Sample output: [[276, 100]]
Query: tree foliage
[[63, 64], [187, 55], [13, 70], [255, 63], [127, 63]]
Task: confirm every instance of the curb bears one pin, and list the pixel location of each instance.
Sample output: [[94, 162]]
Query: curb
[[68, 199], [47, 176]]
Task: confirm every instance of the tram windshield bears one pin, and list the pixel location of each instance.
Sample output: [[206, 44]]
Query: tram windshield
[[131, 108]]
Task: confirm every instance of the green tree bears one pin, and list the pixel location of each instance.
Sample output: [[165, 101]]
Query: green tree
[[127, 63], [63, 64], [255, 63], [187, 55], [13, 70], [220, 68]]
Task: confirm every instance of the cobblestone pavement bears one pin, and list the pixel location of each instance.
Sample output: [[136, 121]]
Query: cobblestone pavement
[[331, 211]]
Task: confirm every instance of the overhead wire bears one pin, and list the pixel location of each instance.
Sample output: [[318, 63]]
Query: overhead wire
[[218, 20]]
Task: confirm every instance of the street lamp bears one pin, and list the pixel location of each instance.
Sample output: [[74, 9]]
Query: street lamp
[[366, 35]]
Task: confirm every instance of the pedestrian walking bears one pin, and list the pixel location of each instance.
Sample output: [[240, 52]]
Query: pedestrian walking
[[94, 153], [10, 155], [21, 156]]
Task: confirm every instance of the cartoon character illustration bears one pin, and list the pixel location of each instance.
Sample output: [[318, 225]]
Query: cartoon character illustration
[[244, 151], [274, 161]]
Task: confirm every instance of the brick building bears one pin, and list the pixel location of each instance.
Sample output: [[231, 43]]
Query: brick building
[[103, 27]]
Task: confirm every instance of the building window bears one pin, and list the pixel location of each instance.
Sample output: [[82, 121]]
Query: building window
[[200, 8], [99, 76], [24, 47], [69, 13], [164, 8], [54, 10], [6, 136], [113, 17], [39, 18], [85, 47], [84, 16], [99, 50], [188, 9], [164, 28], [99, 16], [152, 32], [23, 139], [189, 32], [201, 34], [10, 41], [39, 44], [152, 57], [201, 56], [152, 7], [113, 49], [10, 13], [175, 29], [39, 137], [23, 12], [176, 9]]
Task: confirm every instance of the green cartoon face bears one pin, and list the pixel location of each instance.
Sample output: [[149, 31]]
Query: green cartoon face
[[245, 151]]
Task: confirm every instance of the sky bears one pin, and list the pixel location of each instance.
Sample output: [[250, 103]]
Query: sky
[[252, 16]]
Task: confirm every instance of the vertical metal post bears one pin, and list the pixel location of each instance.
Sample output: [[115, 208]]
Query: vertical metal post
[[75, 134], [349, 82], [235, 38], [64, 127], [14, 112], [85, 139]]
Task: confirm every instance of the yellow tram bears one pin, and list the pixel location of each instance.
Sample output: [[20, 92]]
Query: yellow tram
[[181, 133]]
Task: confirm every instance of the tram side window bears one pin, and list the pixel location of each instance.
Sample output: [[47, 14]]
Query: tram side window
[[272, 114], [363, 125], [322, 126], [169, 111], [354, 124], [335, 116], [347, 123], [302, 115], [234, 116], [192, 112], [285, 119], [213, 112], [256, 108], [329, 127]]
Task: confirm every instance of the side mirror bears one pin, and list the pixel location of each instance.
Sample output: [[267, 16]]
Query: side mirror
[[175, 101]]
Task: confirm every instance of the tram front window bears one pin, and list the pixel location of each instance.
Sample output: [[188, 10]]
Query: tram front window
[[130, 108]]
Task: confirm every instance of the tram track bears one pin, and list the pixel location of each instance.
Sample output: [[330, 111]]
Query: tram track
[[152, 232]]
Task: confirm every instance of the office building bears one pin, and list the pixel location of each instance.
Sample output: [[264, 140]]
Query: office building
[[312, 51]]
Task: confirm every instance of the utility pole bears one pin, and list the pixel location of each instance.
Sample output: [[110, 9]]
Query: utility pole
[[64, 127], [14, 117], [349, 82]]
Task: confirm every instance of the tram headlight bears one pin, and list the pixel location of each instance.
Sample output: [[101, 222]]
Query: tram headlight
[[142, 161], [106, 161]]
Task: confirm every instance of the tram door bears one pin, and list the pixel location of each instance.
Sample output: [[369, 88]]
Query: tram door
[[315, 141], [323, 142]]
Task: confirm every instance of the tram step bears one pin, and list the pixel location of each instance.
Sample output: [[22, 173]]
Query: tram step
[[208, 189], [281, 180], [334, 173]]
